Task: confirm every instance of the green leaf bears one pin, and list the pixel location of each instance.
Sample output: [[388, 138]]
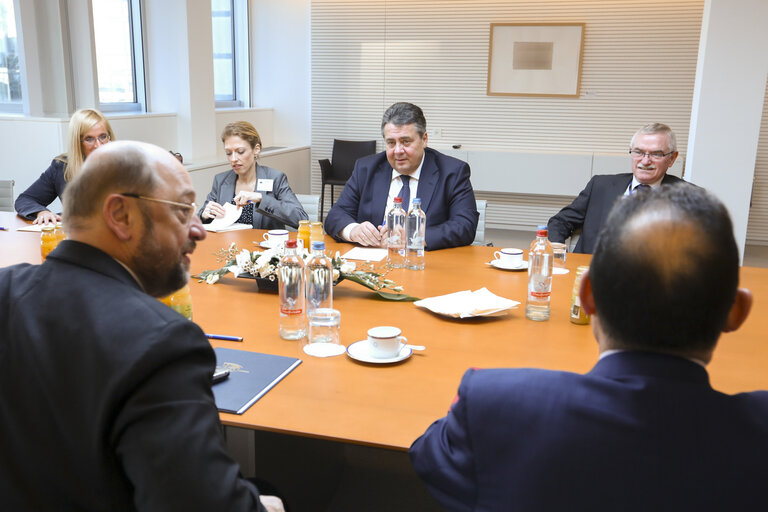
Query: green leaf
[[397, 296]]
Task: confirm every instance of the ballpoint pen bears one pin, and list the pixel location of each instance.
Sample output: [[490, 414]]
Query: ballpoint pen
[[222, 337]]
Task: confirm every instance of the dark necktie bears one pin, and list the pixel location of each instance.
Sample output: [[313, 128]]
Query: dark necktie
[[642, 188], [405, 191]]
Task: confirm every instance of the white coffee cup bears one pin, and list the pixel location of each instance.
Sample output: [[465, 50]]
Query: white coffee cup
[[385, 341], [510, 256], [276, 237]]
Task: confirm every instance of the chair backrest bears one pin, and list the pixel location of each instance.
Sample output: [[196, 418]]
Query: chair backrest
[[480, 233], [345, 154], [311, 205], [6, 195]]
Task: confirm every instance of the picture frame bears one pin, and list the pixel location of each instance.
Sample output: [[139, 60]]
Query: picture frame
[[535, 59]]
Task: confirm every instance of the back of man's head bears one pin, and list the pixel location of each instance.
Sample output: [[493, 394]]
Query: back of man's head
[[114, 168], [665, 271]]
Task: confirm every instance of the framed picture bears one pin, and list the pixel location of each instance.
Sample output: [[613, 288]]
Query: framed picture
[[535, 59]]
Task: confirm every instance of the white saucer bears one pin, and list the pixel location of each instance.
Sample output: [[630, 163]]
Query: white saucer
[[504, 266], [266, 244], [360, 350]]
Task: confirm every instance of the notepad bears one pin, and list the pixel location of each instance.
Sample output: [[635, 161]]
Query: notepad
[[251, 375], [365, 254]]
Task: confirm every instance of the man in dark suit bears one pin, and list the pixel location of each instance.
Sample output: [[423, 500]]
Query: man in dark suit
[[407, 169], [643, 430], [653, 150], [106, 392]]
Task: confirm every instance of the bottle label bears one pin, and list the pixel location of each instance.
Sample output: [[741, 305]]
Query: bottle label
[[540, 295], [288, 311]]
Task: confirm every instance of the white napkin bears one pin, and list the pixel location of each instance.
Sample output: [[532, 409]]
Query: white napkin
[[467, 304]]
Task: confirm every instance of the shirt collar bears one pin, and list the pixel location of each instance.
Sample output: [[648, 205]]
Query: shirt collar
[[415, 175], [607, 353]]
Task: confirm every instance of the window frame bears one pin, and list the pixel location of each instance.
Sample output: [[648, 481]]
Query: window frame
[[135, 13], [16, 107], [241, 64]]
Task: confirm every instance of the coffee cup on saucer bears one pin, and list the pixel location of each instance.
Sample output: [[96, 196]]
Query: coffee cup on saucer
[[385, 342], [509, 256], [275, 237]]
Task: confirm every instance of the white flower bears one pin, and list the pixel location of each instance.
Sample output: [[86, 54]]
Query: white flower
[[243, 259], [348, 267], [335, 275], [212, 278], [262, 264]]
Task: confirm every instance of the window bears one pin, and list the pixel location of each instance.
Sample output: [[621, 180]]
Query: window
[[10, 76], [231, 83], [119, 54]]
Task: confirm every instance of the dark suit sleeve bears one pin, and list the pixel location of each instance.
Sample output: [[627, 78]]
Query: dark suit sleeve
[[345, 209], [42, 192], [167, 434], [283, 202], [571, 218], [443, 456], [460, 227]]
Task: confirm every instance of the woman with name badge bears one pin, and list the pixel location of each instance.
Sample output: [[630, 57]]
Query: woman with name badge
[[249, 185], [88, 130]]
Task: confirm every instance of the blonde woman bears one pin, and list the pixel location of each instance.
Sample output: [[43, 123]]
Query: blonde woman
[[88, 130], [251, 185]]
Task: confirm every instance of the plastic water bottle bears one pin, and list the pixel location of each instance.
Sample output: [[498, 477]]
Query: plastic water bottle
[[290, 274], [415, 225], [319, 279], [540, 259], [396, 235]]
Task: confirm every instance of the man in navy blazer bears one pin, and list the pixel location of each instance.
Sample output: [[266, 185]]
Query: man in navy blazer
[[106, 392], [643, 430], [407, 169], [653, 150]]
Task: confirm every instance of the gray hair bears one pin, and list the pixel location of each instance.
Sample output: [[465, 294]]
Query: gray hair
[[403, 113], [657, 128]]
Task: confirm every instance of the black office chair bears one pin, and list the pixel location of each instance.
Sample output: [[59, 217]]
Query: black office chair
[[338, 170]]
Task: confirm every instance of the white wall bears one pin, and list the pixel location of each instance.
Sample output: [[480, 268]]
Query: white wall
[[281, 78]]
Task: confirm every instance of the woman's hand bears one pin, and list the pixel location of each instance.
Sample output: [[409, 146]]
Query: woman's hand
[[46, 217], [212, 210], [243, 198]]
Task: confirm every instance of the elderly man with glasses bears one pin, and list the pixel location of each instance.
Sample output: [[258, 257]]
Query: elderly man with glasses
[[653, 150], [114, 385]]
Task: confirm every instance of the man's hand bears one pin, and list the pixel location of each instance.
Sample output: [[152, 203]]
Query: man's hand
[[366, 234], [272, 503], [46, 217]]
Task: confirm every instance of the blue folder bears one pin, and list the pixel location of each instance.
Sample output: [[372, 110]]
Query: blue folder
[[251, 375]]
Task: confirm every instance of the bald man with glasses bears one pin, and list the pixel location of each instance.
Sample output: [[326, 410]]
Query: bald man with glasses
[[653, 150], [106, 392]]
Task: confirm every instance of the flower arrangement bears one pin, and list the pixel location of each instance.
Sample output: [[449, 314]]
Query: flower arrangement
[[264, 264]]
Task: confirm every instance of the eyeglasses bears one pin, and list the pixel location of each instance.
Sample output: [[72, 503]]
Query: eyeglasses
[[653, 155], [103, 139], [189, 209]]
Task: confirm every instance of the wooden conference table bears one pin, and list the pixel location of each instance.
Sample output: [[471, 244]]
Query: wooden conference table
[[389, 406]]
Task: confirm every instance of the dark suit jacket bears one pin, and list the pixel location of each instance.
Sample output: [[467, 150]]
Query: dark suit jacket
[[281, 201], [43, 191], [444, 188], [590, 209], [106, 395], [639, 432]]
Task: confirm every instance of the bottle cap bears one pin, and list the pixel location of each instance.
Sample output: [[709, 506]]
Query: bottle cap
[[416, 200], [398, 200], [318, 245], [290, 244]]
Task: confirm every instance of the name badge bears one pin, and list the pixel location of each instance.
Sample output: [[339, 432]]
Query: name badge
[[264, 185]]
